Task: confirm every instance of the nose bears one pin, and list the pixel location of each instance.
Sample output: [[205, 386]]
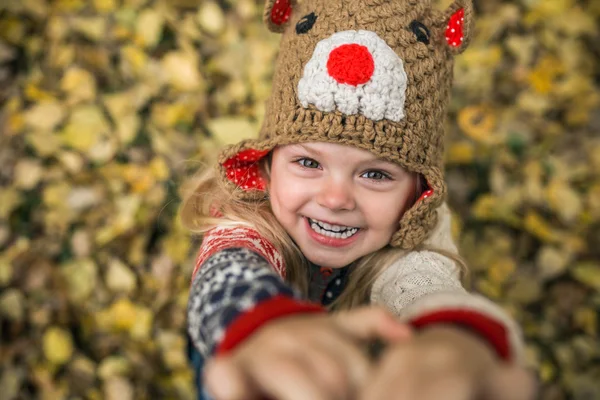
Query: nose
[[336, 196], [351, 64]]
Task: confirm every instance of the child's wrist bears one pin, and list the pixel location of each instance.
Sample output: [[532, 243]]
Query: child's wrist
[[477, 350]]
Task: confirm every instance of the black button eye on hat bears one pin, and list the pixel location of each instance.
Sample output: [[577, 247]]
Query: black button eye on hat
[[421, 31], [306, 23]]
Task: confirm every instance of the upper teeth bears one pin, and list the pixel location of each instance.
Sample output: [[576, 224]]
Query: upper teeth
[[334, 228]]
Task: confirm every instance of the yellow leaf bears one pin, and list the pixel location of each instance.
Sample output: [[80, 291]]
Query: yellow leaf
[[120, 278], [12, 29], [587, 319], [85, 128], [563, 200], [34, 93], [10, 198], [28, 173], [61, 56], [113, 366], [79, 84], [57, 28], [93, 28], [501, 270], [181, 71], [489, 289], [135, 61], [142, 327], [105, 6], [229, 130], [6, 271], [588, 274], [123, 314], [149, 28], [177, 247], [552, 261], [540, 228], [120, 104], [67, 6], [45, 115], [81, 277], [159, 168], [57, 345], [12, 304], [545, 73], [479, 123], [210, 18], [533, 102], [44, 143], [168, 115], [128, 127], [461, 153], [542, 11], [72, 161]]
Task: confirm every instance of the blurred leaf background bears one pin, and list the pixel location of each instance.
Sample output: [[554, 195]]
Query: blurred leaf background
[[109, 107]]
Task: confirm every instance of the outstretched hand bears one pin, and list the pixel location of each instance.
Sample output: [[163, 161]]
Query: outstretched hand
[[446, 363], [304, 357]]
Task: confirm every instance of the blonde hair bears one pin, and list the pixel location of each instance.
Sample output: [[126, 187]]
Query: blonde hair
[[197, 214]]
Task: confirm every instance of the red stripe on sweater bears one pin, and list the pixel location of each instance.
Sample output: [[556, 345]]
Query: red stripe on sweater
[[221, 238], [490, 329], [247, 323]]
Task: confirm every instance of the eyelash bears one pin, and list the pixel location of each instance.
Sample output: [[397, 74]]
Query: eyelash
[[383, 174]]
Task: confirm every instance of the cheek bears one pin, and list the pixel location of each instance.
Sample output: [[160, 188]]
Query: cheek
[[285, 191], [385, 213]]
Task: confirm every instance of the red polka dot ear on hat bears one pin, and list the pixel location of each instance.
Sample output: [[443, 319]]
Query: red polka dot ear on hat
[[281, 11], [454, 30], [458, 21], [278, 13], [242, 169]]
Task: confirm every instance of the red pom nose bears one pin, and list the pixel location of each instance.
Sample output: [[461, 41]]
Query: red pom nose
[[351, 64]]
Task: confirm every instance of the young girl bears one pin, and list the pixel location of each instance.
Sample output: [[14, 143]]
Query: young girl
[[339, 205]]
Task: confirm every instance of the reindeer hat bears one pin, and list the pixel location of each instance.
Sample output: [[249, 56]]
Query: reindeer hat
[[374, 74]]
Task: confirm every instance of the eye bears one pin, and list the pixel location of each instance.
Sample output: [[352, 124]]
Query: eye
[[376, 175], [421, 31], [306, 23], [308, 163]]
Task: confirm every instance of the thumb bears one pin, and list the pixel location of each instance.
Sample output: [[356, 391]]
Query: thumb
[[372, 323], [224, 380], [510, 383]]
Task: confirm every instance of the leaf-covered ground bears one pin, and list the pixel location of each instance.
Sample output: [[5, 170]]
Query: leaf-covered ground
[[110, 106]]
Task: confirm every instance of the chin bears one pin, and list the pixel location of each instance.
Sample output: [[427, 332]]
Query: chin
[[329, 261]]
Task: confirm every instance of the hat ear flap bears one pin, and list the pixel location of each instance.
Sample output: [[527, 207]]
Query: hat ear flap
[[277, 14], [459, 25]]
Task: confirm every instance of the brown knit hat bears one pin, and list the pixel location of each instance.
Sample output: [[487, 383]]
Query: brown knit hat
[[374, 74]]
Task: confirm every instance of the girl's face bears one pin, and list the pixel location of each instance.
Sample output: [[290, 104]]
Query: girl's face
[[337, 202]]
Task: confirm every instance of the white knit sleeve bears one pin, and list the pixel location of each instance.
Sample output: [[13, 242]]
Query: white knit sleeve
[[423, 284]]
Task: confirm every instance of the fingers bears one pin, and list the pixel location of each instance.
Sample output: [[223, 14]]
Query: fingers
[[372, 322], [224, 380], [510, 383], [352, 359], [329, 371], [403, 374], [284, 378]]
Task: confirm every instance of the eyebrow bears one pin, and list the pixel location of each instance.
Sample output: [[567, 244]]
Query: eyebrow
[[308, 149]]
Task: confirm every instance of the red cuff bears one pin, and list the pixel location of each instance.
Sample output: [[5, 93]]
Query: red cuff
[[248, 322], [488, 328]]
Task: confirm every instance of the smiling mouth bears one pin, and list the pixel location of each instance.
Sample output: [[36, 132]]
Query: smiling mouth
[[333, 231]]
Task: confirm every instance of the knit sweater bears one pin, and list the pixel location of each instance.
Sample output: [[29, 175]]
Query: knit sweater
[[238, 285]]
